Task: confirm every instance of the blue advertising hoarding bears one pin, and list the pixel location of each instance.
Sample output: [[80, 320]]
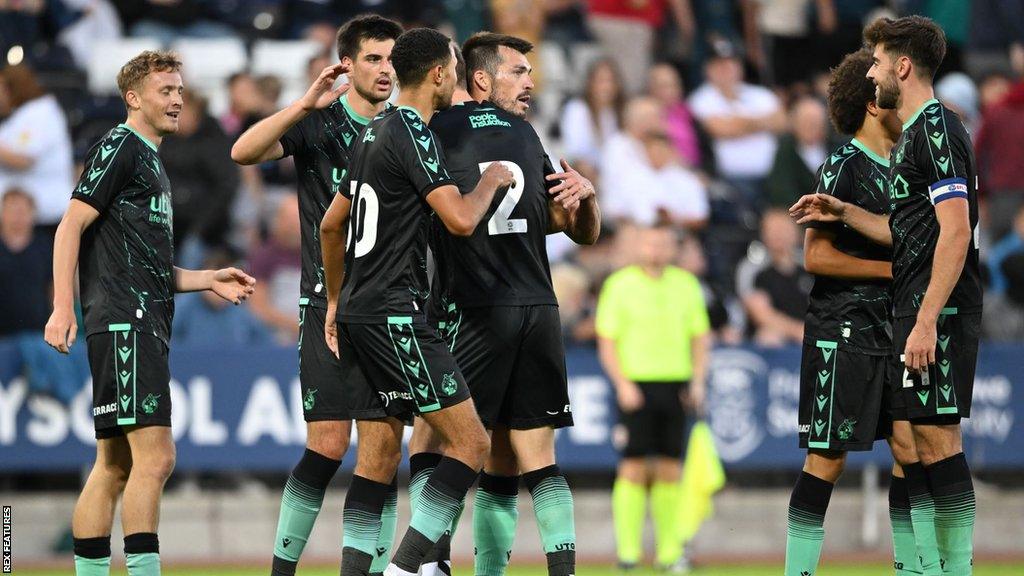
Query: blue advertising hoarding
[[240, 409]]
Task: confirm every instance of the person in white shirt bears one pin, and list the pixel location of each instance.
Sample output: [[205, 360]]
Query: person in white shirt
[[649, 184], [742, 120], [590, 120], [35, 146]]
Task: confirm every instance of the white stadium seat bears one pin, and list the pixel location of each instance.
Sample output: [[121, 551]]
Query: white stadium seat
[[208, 63], [108, 56], [283, 58]]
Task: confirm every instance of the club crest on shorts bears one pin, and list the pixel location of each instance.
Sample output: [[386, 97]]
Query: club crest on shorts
[[149, 405], [310, 400], [448, 384], [845, 430]]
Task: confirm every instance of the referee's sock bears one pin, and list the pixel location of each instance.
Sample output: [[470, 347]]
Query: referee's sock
[[904, 549], [665, 513], [953, 491], [361, 524], [439, 503], [386, 538], [629, 507], [92, 556], [553, 506], [805, 530], [922, 516], [495, 515], [300, 504]]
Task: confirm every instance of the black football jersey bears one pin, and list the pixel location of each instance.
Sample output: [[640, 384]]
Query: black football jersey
[[933, 161], [125, 263], [504, 262], [853, 313], [396, 163], [321, 144]]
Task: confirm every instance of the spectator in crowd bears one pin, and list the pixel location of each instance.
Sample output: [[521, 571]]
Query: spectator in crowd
[[1008, 245], [35, 146], [692, 259], [777, 303], [245, 104], [653, 344], [799, 154], [25, 290], [167, 20], [652, 185], [589, 121], [778, 37], [276, 265], [992, 88], [626, 29], [665, 86], [572, 287], [198, 161], [205, 319], [1003, 315], [742, 120], [317, 64], [957, 92], [999, 148], [995, 27]]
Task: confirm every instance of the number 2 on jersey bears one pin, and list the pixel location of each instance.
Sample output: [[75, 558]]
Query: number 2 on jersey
[[500, 222], [363, 218]]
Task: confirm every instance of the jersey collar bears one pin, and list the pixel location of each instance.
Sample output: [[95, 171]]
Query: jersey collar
[[869, 152], [913, 117], [351, 112], [141, 137]]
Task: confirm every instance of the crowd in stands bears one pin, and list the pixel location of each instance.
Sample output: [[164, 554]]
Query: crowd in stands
[[708, 115]]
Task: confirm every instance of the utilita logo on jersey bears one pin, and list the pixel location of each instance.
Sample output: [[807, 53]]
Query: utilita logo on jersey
[[160, 210]]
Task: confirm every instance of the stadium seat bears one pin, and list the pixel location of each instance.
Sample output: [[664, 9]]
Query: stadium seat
[[108, 55], [208, 63], [283, 58]]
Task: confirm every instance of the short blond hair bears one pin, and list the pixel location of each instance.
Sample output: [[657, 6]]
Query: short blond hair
[[135, 70]]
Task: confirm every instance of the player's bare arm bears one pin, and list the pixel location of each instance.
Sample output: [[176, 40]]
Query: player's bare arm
[[62, 327], [626, 391], [461, 213], [947, 265], [822, 258], [231, 284], [572, 206], [828, 208], [333, 232], [262, 142], [700, 348]]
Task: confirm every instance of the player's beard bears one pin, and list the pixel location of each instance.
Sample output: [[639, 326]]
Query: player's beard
[[888, 93], [508, 104]]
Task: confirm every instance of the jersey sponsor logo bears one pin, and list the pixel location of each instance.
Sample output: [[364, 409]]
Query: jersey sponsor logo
[[105, 409], [160, 209], [804, 428], [387, 397], [369, 136], [485, 120], [900, 188]]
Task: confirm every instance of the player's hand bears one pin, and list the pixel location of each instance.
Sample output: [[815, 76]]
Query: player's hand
[[920, 350], [322, 92], [232, 285], [499, 175], [331, 329], [572, 189], [817, 208], [61, 329], [629, 396]]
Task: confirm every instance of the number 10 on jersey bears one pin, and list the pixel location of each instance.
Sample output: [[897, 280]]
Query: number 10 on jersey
[[500, 222]]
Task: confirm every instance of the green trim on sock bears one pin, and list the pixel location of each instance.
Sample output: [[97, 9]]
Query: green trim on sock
[[434, 512], [553, 506], [146, 564], [92, 566], [360, 530], [386, 538], [665, 513], [629, 507], [416, 484], [805, 533], [954, 531], [300, 505], [922, 516], [494, 530], [904, 548]]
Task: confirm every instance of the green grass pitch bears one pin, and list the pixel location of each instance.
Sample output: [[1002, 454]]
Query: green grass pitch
[[751, 570]]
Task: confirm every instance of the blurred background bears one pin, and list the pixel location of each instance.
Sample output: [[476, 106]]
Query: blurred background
[[707, 115]]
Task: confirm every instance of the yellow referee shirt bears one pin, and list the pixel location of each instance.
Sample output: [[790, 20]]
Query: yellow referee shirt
[[652, 321]]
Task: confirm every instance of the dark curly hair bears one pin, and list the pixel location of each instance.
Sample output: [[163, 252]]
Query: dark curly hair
[[481, 51], [416, 52], [849, 91], [365, 27], [916, 37]]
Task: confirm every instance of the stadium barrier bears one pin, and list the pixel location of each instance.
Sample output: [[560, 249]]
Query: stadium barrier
[[241, 409]]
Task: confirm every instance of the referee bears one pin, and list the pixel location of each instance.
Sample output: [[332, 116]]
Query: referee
[[652, 328]]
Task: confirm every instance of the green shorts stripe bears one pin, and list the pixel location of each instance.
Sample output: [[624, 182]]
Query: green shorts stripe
[[125, 372], [827, 376]]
